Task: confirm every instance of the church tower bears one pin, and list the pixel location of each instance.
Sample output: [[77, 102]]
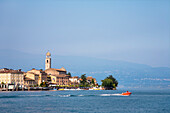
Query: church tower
[[48, 61]]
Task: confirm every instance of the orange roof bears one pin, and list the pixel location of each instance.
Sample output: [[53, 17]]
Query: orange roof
[[5, 70], [56, 69], [61, 75], [89, 78]]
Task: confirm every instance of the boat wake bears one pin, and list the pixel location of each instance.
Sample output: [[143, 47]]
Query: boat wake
[[111, 95]]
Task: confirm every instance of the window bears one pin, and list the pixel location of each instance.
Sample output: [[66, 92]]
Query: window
[[47, 61]]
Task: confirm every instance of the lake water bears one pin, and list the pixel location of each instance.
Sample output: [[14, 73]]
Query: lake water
[[86, 101]]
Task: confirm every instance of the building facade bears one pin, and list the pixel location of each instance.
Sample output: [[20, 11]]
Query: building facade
[[35, 77], [58, 76], [9, 76], [90, 78], [74, 80]]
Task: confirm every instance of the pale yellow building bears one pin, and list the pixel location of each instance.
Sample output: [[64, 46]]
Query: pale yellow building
[[35, 77], [9, 76], [58, 76], [31, 79]]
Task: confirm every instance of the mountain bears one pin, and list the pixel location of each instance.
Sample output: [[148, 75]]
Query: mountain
[[129, 75]]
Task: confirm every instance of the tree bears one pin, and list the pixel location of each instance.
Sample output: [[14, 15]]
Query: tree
[[69, 73], [2, 83], [83, 81], [109, 82], [93, 82], [44, 84], [113, 79]]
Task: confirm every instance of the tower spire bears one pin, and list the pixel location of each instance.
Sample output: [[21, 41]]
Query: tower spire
[[48, 60]]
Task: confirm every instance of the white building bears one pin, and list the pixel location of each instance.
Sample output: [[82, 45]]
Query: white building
[[9, 76], [74, 80]]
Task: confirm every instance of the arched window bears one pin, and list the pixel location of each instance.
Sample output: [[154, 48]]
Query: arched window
[[47, 61]]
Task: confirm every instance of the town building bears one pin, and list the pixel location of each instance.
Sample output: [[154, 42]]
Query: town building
[[58, 76], [10, 76], [35, 77], [90, 78], [74, 80]]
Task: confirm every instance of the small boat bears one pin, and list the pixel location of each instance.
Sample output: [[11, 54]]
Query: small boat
[[78, 89], [61, 89], [127, 93]]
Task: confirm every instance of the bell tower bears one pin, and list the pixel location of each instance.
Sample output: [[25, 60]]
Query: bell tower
[[48, 60]]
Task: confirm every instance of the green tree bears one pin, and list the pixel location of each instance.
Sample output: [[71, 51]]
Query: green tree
[[69, 73], [83, 77], [2, 83], [93, 83], [107, 83], [114, 80], [41, 69], [44, 84]]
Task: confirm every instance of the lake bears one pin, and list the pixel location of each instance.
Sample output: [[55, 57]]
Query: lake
[[141, 101]]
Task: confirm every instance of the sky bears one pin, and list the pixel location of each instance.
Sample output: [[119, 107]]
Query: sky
[[128, 30]]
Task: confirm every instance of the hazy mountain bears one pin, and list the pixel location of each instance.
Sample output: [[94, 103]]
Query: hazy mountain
[[128, 74]]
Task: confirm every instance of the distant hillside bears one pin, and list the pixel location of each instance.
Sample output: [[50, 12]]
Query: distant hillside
[[129, 74]]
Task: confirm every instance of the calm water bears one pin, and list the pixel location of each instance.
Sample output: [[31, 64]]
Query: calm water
[[85, 101]]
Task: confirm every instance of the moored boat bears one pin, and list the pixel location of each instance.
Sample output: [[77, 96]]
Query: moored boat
[[61, 89]]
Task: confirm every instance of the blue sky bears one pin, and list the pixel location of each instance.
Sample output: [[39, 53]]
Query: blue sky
[[129, 30]]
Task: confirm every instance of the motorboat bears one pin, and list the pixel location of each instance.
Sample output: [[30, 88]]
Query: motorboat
[[127, 93], [60, 89]]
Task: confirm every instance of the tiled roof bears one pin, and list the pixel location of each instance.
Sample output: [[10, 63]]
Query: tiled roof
[[5, 70], [61, 75], [56, 69], [89, 77]]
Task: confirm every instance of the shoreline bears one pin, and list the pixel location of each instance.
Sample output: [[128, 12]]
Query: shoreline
[[52, 89]]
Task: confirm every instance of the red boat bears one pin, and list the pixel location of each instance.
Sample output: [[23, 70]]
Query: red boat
[[127, 93]]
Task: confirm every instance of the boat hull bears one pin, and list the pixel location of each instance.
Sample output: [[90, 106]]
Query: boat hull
[[127, 93]]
